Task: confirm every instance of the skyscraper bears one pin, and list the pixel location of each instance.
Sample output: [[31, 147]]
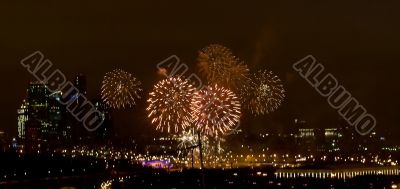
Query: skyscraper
[[38, 102], [80, 83], [79, 133], [105, 131], [22, 117], [42, 111]]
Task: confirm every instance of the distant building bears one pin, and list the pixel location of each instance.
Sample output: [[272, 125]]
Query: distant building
[[32, 133], [106, 130], [3, 142], [51, 121], [41, 114], [22, 117], [332, 139], [80, 83], [306, 133], [78, 133], [306, 139]]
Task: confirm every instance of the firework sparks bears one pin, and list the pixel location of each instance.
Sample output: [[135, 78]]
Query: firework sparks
[[120, 89], [215, 110], [237, 77], [188, 144], [264, 94], [220, 66], [170, 104], [188, 140], [213, 61]]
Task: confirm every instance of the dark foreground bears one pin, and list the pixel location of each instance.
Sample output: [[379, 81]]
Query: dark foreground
[[239, 178]]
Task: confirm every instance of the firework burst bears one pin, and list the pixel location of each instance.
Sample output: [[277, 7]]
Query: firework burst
[[213, 61], [120, 89], [170, 104], [264, 94], [237, 77], [220, 66], [215, 110]]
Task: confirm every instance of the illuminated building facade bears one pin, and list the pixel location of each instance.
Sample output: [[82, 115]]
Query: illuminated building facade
[[22, 117], [158, 164], [40, 116], [332, 139], [53, 121]]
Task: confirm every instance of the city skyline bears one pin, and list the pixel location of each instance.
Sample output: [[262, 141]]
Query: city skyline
[[97, 98], [199, 94]]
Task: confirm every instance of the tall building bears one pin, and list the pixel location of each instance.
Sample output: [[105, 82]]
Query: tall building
[[40, 113], [105, 131], [37, 98], [22, 117], [45, 108], [80, 83], [51, 121], [56, 114], [78, 132]]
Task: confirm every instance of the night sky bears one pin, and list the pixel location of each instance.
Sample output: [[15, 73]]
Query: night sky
[[357, 42]]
